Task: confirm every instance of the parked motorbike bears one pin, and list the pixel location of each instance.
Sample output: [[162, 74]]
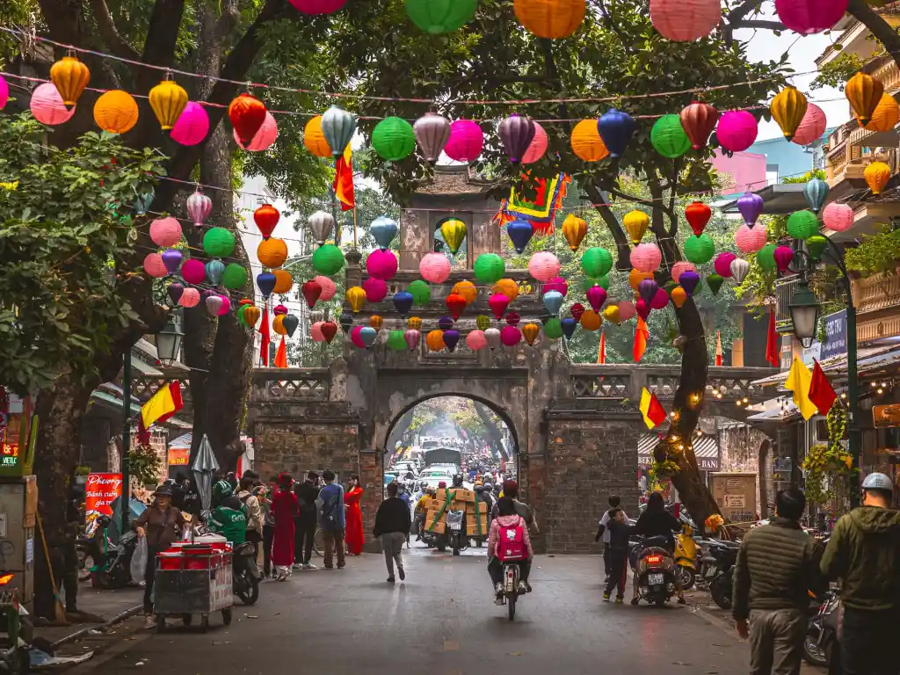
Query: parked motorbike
[[654, 568], [16, 631], [821, 633], [511, 591], [108, 565], [720, 559], [686, 556], [245, 573]]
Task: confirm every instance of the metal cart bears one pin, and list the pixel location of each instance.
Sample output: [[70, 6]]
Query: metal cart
[[193, 583]]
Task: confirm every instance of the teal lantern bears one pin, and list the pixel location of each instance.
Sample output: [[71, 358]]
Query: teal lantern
[[803, 225], [489, 268], [441, 16], [328, 260], [766, 257], [393, 139], [214, 271], [553, 328], [234, 277], [420, 291], [596, 262], [397, 341], [668, 137], [699, 250], [218, 242], [816, 192]]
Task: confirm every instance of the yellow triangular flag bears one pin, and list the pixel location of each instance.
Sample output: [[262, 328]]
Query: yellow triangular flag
[[798, 381]]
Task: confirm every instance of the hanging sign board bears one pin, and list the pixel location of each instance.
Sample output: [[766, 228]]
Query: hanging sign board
[[885, 416], [101, 491]]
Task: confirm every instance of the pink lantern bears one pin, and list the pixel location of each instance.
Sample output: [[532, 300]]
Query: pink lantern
[[642, 309], [193, 271], [190, 297], [466, 141], [810, 16], [543, 266], [596, 296], [328, 288], [626, 310], [412, 338], [812, 127], [315, 332], [376, 289], [434, 268], [154, 266], [680, 268], [838, 217], [685, 20], [165, 231], [750, 240], [476, 340], [4, 92], [381, 264], [737, 130], [192, 125], [557, 284], [646, 257], [264, 138], [226, 305], [784, 255], [47, 105], [723, 264], [319, 7], [537, 148], [356, 338], [659, 300], [510, 336]]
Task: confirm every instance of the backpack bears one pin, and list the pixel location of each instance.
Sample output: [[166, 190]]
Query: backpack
[[511, 542]]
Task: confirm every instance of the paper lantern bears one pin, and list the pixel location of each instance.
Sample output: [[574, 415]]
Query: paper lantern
[[165, 231], [263, 138], [314, 140], [538, 145], [310, 291], [278, 324], [679, 268], [356, 297], [453, 230], [381, 264], [507, 287], [489, 268], [530, 331], [154, 267], [750, 240], [636, 224], [699, 250], [251, 314], [284, 281], [685, 20], [590, 320], [802, 224], [214, 304], [70, 76], [551, 19], [815, 192], [355, 337], [175, 291], [589, 282], [321, 224], [218, 242], [498, 304], [877, 175], [737, 130], [192, 125], [568, 325], [660, 299], [247, 114], [788, 109], [403, 302], [412, 337], [553, 300], [272, 252], [4, 92], [510, 336], [234, 277], [116, 112], [750, 206], [421, 292], [838, 217], [338, 127], [520, 233], [265, 282], [434, 268], [513, 318], [543, 266], [553, 328], [327, 285], [587, 144], [376, 322], [466, 137], [885, 117], [476, 341], [516, 133], [198, 207], [318, 6], [816, 245], [193, 271], [376, 289], [626, 310], [414, 322], [557, 284], [646, 257], [810, 16], [171, 258], [697, 215], [574, 230], [668, 137], [784, 256], [368, 335], [812, 127], [396, 341], [435, 340], [577, 311], [766, 257], [432, 131], [393, 139], [467, 290], [47, 106], [635, 277], [442, 16], [455, 305], [328, 260], [168, 100], [596, 296], [699, 119], [613, 314], [679, 296], [722, 264], [189, 298], [445, 323], [643, 309], [315, 332], [383, 230], [647, 289], [596, 262], [714, 281], [739, 270], [329, 330], [346, 321]]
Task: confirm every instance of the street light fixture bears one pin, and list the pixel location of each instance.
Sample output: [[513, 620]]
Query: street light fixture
[[805, 310], [168, 341]]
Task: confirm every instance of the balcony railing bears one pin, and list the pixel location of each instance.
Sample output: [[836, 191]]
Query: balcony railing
[[876, 293], [784, 294]]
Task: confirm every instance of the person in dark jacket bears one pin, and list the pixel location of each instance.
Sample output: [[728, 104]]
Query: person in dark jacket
[[307, 492], [777, 565], [392, 523], [617, 546], [655, 521], [864, 553]]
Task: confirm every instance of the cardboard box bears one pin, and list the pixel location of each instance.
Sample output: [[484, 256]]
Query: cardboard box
[[472, 526], [439, 526], [476, 507], [457, 494]]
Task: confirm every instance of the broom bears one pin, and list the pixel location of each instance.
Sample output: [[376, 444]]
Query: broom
[[59, 610]]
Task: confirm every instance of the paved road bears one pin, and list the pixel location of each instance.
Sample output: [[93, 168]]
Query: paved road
[[441, 621]]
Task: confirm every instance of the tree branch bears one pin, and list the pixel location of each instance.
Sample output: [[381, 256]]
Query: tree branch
[[623, 245], [631, 198], [740, 12], [110, 34], [162, 34], [758, 23], [231, 14], [881, 29]]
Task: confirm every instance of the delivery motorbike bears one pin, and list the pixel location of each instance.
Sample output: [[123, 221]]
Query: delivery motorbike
[[654, 569], [455, 531], [246, 575]]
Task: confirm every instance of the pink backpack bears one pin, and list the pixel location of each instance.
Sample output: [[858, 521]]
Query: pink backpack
[[511, 543]]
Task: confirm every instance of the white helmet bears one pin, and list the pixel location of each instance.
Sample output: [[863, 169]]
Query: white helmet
[[878, 481]]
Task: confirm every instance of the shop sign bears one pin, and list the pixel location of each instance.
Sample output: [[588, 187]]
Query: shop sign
[[179, 456], [885, 416], [835, 334], [708, 463], [101, 491]]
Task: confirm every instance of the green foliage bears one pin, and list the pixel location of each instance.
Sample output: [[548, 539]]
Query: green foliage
[[63, 221], [145, 465], [877, 253], [837, 72]]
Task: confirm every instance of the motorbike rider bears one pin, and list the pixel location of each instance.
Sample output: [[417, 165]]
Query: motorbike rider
[[422, 510], [655, 521], [864, 553], [230, 520], [511, 490], [222, 489], [508, 517]]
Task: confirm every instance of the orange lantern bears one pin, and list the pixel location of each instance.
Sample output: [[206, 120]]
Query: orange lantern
[[283, 281], [272, 252], [877, 175], [550, 18], [864, 93], [70, 76], [586, 142], [590, 320], [679, 296], [278, 324], [376, 322], [574, 230], [886, 115], [467, 290], [635, 278], [531, 331], [435, 340], [314, 139], [251, 315], [247, 114], [168, 100], [507, 287], [414, 323], [116, 112]]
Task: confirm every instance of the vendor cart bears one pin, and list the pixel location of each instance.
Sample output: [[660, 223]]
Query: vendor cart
[[193, 580]]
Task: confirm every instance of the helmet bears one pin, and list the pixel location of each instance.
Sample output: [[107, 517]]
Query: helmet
[[878, 481]]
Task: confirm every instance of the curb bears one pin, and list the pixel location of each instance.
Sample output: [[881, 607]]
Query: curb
[[119, 618]]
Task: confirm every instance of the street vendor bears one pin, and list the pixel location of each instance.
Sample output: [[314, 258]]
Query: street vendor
[[230, 520]]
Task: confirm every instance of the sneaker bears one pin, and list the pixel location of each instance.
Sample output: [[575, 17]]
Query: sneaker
[[391, 580], [498, 588], [523, 588], [297, 566], [620, 600], [309, 566], [498, 600], [527, 587], [402, 573], [606, 597], [149, 621]]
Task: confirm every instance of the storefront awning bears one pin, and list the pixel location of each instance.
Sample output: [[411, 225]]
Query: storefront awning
[[870, 361], [706, 450]]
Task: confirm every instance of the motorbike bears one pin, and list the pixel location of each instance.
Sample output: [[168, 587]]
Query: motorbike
[[456, 532], [246, 575], [821, 633], [108, 565], [16, 630], [686, 557], [654, 568], [720, 558], [511, 592]]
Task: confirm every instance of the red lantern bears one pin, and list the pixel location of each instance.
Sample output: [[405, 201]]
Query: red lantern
[[455, 305], [311, 291], [698, 121], [329, 330], [577, 310], [698, 215], [247, 114], [266, 218]]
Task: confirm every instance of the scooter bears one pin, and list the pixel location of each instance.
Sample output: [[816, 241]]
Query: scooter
[[108, 565], [246, 576], [654, 569], [16, 631], [686, 557], [720, 559]]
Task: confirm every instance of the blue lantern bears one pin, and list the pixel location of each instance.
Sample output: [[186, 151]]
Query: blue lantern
[[816, 192], [368, 334], [616, 128], [568, 327], [403, 301], [384, 230], [445, 323], [214, 271], [553, 300], [520, 233], [266, 283]]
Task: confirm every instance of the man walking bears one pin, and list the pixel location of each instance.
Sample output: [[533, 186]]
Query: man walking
[[307, 493], [332, 520], [864, 553], [777, 566], [392, 523]]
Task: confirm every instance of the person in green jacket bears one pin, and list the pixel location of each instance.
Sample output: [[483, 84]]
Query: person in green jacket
[[230, 520], [864, 553]]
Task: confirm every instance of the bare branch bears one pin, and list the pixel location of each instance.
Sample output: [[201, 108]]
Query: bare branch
[[631, 198], [162, 34], [623, 245], [758, 23], [110, 34]]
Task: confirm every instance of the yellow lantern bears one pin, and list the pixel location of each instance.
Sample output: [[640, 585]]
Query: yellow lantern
[[635, 278], [168, 100], [466, 289], [414, 323], [314, 138], [356, 296], [590, 320], [550, 18], [531, 331], [435, 340], [507, 287], [788, 109], [877, 175], [376, 322], [70, 76], [453, 230], [679, 296], [864, 93], [611, 314], [116, 112], [886, 115], [636, 224], [278, 324], [283, 281], [272, 252], [587, 143], [574, 230]]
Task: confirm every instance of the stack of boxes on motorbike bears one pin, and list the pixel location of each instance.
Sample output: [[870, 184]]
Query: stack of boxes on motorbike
[[457, 499]]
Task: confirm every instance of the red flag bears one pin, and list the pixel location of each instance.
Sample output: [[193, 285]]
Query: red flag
[[772, 351], [177, 401], [719, 353], [281, 355], [343, 180], [641, 333], [264, 331], [601, 352], [821, 392]]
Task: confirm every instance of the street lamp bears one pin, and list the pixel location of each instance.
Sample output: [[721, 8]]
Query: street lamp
[[805, 310], [168, 341]]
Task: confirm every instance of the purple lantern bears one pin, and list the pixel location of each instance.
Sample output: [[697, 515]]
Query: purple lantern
[[750, 205], [516, 133], [213, 304], [445, 323], [689, 281], [171, 258], [596, 295], [647, 289], [451, 338], [175, 291]]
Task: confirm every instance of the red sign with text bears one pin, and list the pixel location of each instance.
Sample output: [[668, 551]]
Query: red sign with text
[[101, 491]]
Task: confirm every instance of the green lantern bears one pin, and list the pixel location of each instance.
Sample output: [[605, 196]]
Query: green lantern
[[483, 322], [816, 246], [803, 225], [397, 341], [668, 137], [441, 16], [420, 291], [489, 268], [699, 250], [553, 328], [240, 314], [766, 257], [218, 242], [596, 262], [393, 139], [328, 259], [714, 281], [234, 277]]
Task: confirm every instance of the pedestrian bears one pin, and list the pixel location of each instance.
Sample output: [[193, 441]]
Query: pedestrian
[[603, 532], [617, 547], [160, 524], [777, 566], [284, 510], [307, 493], [352, 498], [254, 513], [864, 553], [332, 520], [392, 523], [265, 501]]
